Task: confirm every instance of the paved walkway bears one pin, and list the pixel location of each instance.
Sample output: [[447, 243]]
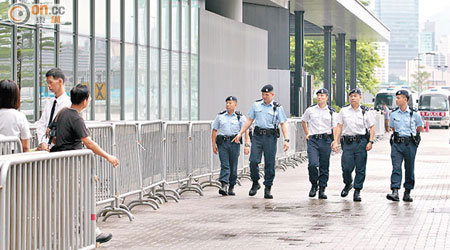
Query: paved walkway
[[292, 220]]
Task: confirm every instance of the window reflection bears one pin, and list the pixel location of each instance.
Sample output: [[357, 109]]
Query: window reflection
[[130, 81], [25, 70], [100, 94], [115, 81], [5, 52], [142, 83]]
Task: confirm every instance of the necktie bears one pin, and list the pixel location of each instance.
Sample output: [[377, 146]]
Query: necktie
[[52, 113]]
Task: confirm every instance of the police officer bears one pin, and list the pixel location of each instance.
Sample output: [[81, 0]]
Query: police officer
[[354, 121], [267, 114], [318, 122], [225, 127], [406, 124]]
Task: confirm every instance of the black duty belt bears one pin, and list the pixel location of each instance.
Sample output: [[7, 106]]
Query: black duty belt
[[265, 131], [321, 136], [402, 139], [227, 137], [352, 138]]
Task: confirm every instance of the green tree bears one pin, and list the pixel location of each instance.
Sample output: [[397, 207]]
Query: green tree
[[367, 60], [420, 79]]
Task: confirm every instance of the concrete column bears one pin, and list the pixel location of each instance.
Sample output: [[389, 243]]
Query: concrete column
[[327, 59], [228, 8], [352, 64], [299, 60], [340, 70]]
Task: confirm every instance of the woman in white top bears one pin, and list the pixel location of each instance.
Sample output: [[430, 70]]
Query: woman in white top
[[12, 122]]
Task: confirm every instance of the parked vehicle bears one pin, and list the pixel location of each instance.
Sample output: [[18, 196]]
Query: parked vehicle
[[434, 107]]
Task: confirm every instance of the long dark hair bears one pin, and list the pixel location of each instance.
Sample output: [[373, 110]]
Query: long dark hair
[[9, 95]]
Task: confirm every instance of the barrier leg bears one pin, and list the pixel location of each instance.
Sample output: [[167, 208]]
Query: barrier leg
[[210, 183]]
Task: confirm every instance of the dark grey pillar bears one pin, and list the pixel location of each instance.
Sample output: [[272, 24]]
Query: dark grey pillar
[[327, 59], [308, 91], [352, 64], [299, 61], [340, 70]]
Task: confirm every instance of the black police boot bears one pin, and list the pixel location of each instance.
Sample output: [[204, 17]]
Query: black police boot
[[313, 190], [231, 190], [322, 194], [346, 189], [103, 237], [254, 189], [224, 189], [394, 195], [356, 196], [267, 194], [407, 197]]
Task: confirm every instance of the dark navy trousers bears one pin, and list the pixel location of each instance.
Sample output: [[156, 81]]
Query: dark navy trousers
[[403, 152], [228, 155], [319, 151], [266, 144], [354, 156]]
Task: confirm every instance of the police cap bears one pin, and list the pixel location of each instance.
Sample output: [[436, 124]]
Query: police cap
[[267, 88], [231, 98], [403, 92], [357, 91], [322, 91]]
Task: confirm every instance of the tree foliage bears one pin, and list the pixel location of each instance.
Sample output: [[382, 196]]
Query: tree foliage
[[367, 60], [420, 79]]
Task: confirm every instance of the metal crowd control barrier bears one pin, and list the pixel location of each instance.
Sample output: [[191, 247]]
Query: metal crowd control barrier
[[379, 126], [10, 145], [33, 140], [47, 200]]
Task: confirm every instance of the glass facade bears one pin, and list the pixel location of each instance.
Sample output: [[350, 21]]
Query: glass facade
[[138, 57]]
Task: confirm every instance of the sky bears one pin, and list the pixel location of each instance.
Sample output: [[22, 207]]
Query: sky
[[428, 8]]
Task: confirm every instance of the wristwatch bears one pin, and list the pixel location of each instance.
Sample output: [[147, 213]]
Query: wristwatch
[[286, 140], [247, 145], [372, 142]]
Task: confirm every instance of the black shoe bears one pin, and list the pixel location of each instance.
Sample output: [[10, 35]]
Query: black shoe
[[322, 194], [346, 189], [356, 196], [394, 195], [267, 194], [254, 189], [103, 237], [231, 190], [313, 190], [224, 189], [407, 197]]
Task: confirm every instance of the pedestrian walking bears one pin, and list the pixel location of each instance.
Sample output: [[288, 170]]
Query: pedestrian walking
[[268, 115], [226, 126], [406, 125], [357, 126], [318, 123], [13, 122]]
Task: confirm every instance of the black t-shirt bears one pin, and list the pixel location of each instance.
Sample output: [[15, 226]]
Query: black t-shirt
[[70, 128]]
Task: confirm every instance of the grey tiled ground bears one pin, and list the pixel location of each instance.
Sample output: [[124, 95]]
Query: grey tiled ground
[[294, 221]]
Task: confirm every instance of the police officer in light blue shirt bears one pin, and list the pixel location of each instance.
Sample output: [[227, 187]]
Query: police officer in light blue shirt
[[226, 126], [406, 125], [267, 115]]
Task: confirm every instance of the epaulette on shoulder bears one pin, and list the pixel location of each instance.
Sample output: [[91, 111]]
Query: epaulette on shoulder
[[331, 109], [276, 104], [237, 112], [313, 105], [223, 112], [397, 108], [364, 108], [259, 100], [347, 105], [413, 109]]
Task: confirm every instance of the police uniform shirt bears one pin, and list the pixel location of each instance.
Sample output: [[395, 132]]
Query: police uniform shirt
[[264, 115], [403, 123], [352, 121], [319, 120], [227, 124]]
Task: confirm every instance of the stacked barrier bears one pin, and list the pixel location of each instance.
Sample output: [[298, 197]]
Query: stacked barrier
[[10, 145], [47, 201]]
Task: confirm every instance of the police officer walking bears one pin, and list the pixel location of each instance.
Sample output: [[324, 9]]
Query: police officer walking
[[225, 127], [267, 114], [354, 121], [405, 124], [318, 122]]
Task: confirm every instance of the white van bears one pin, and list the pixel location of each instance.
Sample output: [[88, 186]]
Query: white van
[[387, 96], [434, 107]]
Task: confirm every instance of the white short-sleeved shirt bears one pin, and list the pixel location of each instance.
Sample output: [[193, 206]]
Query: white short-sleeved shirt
[[319, 120], [62, 101], [14, 123], [353, 122]]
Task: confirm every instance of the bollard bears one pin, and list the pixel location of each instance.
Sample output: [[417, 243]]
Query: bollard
[[427, 127]]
